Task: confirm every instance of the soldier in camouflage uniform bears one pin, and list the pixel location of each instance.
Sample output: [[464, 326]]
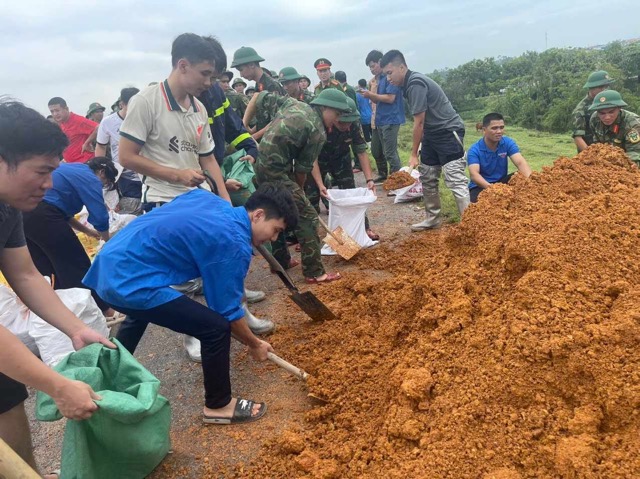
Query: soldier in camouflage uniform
[[611, 124], [582, 134], [247, 62], [290, 80], [335, 159], [262, 110], [323, 67], [239, 85], [305, 82], [288, 153]]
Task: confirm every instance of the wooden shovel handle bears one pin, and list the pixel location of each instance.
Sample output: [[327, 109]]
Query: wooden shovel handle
[[299, 373], [326, 227], [12, 465]]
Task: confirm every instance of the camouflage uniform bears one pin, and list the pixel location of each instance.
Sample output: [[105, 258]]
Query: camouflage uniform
[[335, 159], [306, 97], [237, 101], [296, 133], [266, 83], [267, 105], [581, 115], [623, 133]]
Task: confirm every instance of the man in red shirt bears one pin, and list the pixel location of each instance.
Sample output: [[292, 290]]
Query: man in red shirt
[[76, 127]]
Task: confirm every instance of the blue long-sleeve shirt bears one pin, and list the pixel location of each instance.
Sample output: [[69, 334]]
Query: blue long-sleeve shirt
[[364, 107], [196, 234], [75, 185]]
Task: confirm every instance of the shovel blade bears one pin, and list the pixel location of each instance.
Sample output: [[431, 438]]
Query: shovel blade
[[347, 247], [311, 305]]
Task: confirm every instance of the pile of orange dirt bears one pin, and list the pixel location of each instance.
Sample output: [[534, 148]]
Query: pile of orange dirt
[[397, 180], [506, 347]]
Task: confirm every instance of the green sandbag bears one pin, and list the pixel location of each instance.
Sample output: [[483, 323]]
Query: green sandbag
[[128, 436], [242, 171]]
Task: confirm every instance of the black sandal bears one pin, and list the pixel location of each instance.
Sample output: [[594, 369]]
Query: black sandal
[[241, 413]]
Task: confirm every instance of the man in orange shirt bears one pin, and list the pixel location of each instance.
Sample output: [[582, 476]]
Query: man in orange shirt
[[76, 127]]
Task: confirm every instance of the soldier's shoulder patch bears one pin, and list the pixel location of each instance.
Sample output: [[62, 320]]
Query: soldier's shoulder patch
[[633, 136]]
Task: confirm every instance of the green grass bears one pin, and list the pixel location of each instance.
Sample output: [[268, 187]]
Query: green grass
[[539, 148]]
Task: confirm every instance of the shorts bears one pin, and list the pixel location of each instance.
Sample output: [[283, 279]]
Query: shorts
[[12, 393], [440, 147]]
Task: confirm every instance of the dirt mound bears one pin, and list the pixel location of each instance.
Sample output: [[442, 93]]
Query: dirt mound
[[398, 180], [506, 347]]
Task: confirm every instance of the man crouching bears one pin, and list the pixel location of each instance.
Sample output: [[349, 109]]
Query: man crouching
[[196, 235]]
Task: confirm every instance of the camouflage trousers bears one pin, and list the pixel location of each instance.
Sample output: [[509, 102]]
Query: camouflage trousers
[[306, 231], [341, 175]]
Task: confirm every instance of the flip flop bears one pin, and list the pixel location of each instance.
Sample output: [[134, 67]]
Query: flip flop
[[241, 413], [330, 277], [373, 236], [292, 264]]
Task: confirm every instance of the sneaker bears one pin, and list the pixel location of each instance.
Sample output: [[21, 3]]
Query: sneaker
[[192, 345], [257, 325], [425, 225], [254, 296]]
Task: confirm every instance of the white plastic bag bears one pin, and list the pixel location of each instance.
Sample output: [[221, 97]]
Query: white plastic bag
[[52, 343], [14, 316], [347, 208], [409, 193]]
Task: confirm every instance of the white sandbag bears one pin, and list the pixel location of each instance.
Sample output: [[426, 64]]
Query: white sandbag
[[14, 316], [409, 193], [347, 208], [52, 343], [118, 221]]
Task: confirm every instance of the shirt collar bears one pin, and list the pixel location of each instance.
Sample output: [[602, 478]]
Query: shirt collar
[[406, 79], [170, 101]]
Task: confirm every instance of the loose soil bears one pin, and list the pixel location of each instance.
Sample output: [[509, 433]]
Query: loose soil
[[506, 347], [397, 180]]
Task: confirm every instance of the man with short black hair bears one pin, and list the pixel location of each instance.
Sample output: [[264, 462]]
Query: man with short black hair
[[30, 149], [129, 184], [487, 157], [77, 128], [247, 61], [440, 130], [135, 270], [387, 116]]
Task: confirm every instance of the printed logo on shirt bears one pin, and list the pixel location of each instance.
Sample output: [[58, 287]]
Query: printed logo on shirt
[[177, 145], [502, 155], [173, 144], [199, 131]]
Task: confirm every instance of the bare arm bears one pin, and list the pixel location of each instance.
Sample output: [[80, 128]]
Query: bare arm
[[88, 143], [376, 98], [250, 112], [101, 150], [523, 167], [76, 225], [317, 177], [258, 348], [476, 177], [580, 143], [210, 164], [131, 158], [418, 127], [366, 169]]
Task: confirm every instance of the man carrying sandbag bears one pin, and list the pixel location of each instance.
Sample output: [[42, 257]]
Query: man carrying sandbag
[[171, 245], [30, 149]]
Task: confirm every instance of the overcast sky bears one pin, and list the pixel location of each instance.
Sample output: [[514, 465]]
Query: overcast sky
[[87, 50]]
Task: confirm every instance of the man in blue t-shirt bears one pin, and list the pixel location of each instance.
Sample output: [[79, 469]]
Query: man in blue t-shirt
[[487, 157], [170, 245]]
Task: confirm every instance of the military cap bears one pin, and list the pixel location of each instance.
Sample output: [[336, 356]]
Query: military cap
[[289, 74], [227, 74], [321, 64], [599, 78], [238, 81], [332, 98], [245, 55], [95, 107], [274, 74], [351, 115], [607, 99], [250, 89]]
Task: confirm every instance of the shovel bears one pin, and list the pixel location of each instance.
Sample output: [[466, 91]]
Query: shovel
[[307, 301], [339, 241]]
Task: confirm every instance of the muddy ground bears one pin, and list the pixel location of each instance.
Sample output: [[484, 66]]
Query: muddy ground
[[214, 451]]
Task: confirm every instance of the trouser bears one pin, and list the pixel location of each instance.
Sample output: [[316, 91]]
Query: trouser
[[12, 393], [378, 153], [56, 250], [440, 153], [366, 131], [389, 140], [342, 174], [476, 190], [306, 231], [187, 316]]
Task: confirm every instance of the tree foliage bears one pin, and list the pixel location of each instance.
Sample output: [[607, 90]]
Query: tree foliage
[[540, 90]]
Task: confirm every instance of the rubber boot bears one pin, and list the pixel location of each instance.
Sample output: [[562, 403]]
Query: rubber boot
[[254, 296], [192, 346], [430, 177], [458, 183], [257, 325]]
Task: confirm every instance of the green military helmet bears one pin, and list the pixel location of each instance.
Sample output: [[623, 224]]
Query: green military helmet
[[607, 99], [245, 55], [333, 98], [599, 78], [305, 77], [274, 74], [351, 115], [289, 74], [238, 81], [95, 107]]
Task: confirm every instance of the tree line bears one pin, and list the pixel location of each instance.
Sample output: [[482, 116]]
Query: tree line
[[540, 90]]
